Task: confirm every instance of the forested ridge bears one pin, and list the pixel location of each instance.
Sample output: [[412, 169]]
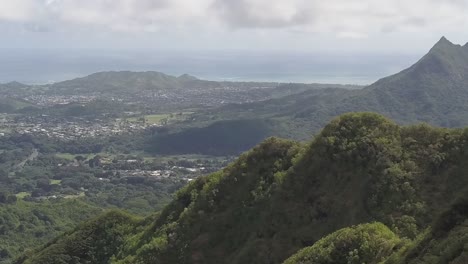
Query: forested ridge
[[365, 190]]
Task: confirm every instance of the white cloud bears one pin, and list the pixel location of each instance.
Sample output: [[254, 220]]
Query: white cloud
[[344, 18], [129, 15], [18, 10]]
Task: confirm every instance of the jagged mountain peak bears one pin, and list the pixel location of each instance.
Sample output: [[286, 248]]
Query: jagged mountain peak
[[444, 45], [442, 63], [444, 40]]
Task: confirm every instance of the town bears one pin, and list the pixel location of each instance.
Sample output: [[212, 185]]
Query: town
[[70, 128]]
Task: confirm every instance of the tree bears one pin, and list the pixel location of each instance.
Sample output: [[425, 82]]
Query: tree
[[3, 175]]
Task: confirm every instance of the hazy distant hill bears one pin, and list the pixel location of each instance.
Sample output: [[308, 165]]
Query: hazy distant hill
[[128, 82], [124, 81], [433, 90], [365, 190], [131, 82]]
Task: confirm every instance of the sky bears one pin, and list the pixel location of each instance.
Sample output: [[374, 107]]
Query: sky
[[380, 26]]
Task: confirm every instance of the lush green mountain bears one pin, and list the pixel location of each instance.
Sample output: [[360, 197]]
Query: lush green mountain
[[96, 242], [282, 196], [445, 242], [366, 243], [433, 90]]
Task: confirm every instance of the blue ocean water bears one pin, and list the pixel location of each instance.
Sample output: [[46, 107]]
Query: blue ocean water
[[46, 66]]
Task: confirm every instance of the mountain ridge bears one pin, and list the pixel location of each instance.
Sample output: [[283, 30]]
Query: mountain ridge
[[433, 90], [283, 196]]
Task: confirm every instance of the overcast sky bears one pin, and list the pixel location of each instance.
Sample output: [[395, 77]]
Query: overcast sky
[[305, 25]]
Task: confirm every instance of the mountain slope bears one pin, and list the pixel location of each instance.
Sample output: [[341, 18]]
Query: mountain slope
[[447, 240], [96, 242], [281, 196], [433, 90], [366, 243], [25, 225]]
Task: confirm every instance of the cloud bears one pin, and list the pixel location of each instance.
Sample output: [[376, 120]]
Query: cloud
[[18, 10], [129, 15], [344, 18], [263, 13]]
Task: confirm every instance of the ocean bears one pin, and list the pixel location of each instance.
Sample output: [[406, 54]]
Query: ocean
[[47, 66]]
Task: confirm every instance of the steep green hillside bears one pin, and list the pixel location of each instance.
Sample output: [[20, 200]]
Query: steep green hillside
[[25, 225], [447, 240], [282, 196], [96, 242], [366, 243]]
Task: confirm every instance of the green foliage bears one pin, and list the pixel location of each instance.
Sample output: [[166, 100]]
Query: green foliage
[[93, 242], [25, 225], [447, 240], [281, 197], [366, 243]]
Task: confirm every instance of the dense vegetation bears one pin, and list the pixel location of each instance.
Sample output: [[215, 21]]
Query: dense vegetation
[[366, 243], [281, 197], [25, 225], [97, 241]]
